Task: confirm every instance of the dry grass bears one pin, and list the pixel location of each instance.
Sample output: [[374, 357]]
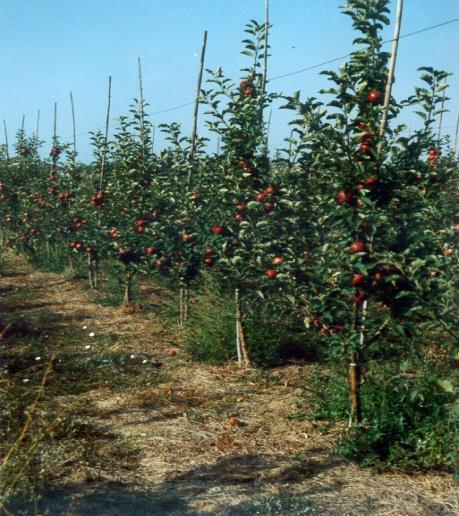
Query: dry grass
[[187, 457]]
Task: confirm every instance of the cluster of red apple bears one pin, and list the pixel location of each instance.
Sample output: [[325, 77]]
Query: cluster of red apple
[[325, 330], [433, 155], [247, 167], [365, 142], [350, 196], [247, 88], [272, 273], [65, 196], [98, 199], [55, 151], [139, 226], [77, 222]]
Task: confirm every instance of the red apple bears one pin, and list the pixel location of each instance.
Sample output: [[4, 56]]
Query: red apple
[[150, 251], [271, 273], [268, 206], [277, 260], [357, 247], [358, 279], [260, 197], [209, 251], [217, 230], [344, 197], [365, 148], [209, 260], [359, 297], [374, 96]]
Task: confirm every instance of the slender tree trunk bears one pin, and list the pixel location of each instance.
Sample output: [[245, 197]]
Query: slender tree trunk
[[242, 337], [128, 287], [90, 272]]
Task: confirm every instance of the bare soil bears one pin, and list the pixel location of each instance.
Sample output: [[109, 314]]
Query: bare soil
[[184, 457]]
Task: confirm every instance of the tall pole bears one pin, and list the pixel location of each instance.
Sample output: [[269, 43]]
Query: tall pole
[[37, 129], [440, 123], [194, 131], [142, 121], [107, 122], [265, 56], [6, 140], [74, 131], [390, 77], [456, 138]]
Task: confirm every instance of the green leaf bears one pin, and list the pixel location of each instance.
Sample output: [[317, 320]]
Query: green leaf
[[446, 385]]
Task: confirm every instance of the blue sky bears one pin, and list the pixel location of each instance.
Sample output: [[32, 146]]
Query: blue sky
[[53, 46]]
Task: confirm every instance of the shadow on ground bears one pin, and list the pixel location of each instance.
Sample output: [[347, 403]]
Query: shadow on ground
[[231, 486]]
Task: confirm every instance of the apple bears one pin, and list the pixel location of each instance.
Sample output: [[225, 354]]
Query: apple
[[233, 422], [78, 246], [277, 260], [146, 183], [260, 197], [241, 206], [359, 297], [159, 263], [268, 206], [456, 227], [365, 148], [209, 261], [248, 92], [171, 352], [150, 251], [186, 237], [217, 230], [91, 250], [209, 251], [244, 84], [238, 217], [343, 197], [374, 96], [370, 181], [358, 279], [270, 190], [55, 151], [84, 221], [357, 247], [271, 273], [195, 197]]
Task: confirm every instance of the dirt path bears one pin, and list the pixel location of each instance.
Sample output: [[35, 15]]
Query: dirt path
[[187, 458]]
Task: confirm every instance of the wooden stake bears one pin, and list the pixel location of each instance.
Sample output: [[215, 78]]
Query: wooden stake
[[37, 130], [456, 138], [55, 124], [390, 78], [238, 328], [142, 118], [194, 131], [6, 141], [265, 57], [107, 122], [354, 382], [74, 132]]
